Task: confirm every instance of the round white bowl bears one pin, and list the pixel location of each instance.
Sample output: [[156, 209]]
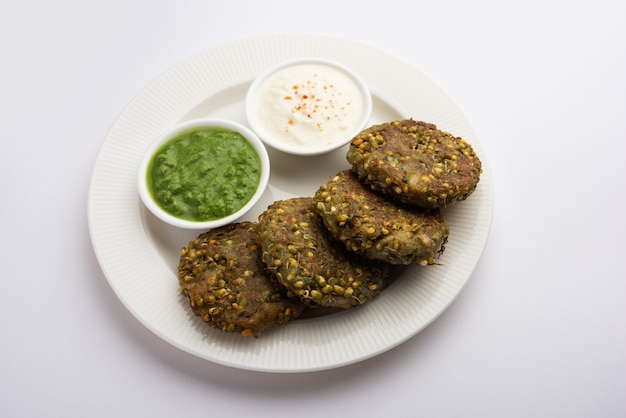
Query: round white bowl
[[258, 113], [160, 213]]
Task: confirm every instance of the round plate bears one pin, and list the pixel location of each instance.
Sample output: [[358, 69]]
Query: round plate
[[139, 254]]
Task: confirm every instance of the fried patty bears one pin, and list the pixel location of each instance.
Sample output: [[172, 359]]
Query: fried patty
[[415, 163], [299, 251], [224, 280], [378, 227]]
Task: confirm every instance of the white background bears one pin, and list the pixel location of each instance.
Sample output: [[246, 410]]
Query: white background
[[539, 330]]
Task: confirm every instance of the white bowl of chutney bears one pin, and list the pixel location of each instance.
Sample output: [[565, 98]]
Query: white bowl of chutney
[[308, 106], [203, 173]]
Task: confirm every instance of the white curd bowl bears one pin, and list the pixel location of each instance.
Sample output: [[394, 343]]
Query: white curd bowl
[[146, 185], [308, 106]]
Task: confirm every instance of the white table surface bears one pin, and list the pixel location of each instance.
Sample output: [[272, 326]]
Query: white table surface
[[540, 328]]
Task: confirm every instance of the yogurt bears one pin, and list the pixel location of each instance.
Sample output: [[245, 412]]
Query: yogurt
[[309, 105]]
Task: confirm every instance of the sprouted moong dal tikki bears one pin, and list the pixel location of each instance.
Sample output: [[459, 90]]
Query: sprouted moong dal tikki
[[224, 280], [416, 163], [299, 252], [380, 228]]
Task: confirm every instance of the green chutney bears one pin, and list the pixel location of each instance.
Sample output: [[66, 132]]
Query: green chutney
[[204, 174]]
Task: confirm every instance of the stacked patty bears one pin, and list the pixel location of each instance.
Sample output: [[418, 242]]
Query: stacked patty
[[416, 163], [224, 280], [297, 249], [335, 249], [370, 224]]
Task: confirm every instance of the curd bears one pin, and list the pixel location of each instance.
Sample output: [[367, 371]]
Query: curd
[[308, 105]]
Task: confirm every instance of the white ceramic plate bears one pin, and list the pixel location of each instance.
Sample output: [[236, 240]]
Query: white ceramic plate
[[139, 254]]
